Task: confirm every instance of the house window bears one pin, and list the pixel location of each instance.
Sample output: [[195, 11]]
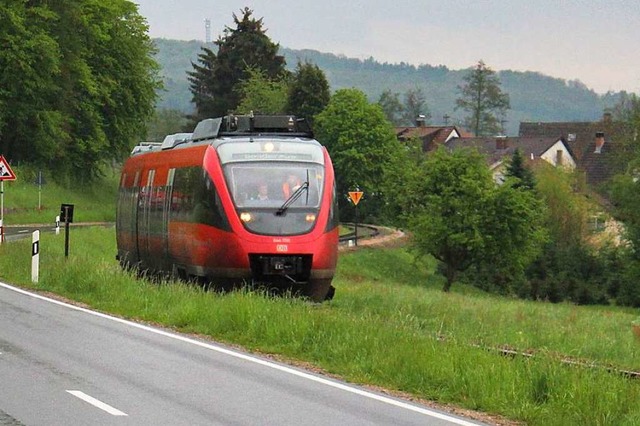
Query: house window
[[559, 157]]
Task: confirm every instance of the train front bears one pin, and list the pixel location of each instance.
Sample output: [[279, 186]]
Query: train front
[[282, 190]]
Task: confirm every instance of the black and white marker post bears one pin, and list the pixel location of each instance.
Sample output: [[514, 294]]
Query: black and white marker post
[[35, 256], [66, 214]]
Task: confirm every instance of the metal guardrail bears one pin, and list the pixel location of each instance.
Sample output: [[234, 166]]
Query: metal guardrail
[[364, 231]]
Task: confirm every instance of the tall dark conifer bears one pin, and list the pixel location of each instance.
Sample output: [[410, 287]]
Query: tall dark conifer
[[214, 79], [518, 169]]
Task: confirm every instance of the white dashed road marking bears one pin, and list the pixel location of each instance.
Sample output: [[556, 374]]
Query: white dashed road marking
[[96, 403]]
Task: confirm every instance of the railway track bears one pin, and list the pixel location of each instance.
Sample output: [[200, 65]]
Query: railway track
[[364, 231]]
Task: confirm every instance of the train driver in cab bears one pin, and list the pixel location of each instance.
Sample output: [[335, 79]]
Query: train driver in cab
[[290, 185]]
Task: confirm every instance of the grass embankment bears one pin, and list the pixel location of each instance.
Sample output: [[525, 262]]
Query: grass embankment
[[25, 203], [389, 325]]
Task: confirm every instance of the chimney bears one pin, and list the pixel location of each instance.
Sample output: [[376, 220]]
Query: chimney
[[501, 143], [599, 142], [421, 120], [606, 117]]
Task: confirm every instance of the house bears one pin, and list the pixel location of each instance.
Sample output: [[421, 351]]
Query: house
[[499, 151], [431, 136], [596, 145]]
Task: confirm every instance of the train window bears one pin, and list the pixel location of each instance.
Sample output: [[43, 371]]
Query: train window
[[269, 184], [194, 198]]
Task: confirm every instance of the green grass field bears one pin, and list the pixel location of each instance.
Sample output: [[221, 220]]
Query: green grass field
[[27, 203], [389, 325]]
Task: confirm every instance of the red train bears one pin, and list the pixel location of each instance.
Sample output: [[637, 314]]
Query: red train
[[241, 199]]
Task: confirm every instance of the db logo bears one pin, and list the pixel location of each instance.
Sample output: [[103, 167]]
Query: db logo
[[282, 248]]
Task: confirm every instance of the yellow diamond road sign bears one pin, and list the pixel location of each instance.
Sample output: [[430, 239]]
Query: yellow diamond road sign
[[355, 196]]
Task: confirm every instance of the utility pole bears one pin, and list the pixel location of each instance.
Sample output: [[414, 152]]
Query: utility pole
[[207, 28]]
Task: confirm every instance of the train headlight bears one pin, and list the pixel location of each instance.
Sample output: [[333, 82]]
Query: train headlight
[[310, 217], [246, 217], [268, 147]]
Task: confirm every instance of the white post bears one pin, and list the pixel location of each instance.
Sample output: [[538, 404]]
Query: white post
[[35, 256], [57, 225]]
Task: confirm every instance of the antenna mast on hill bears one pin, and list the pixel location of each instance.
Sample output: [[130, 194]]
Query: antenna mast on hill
[[207, 28]]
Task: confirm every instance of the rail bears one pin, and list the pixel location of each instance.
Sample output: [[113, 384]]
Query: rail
[[364, 231]]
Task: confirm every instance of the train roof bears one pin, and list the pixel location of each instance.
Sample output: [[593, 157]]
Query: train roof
[[232, 126]]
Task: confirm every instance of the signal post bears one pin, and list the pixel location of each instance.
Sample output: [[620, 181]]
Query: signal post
[[355, 199]]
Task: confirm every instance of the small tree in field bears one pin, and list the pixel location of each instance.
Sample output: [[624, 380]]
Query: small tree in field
[[483, 100], [464, 219]]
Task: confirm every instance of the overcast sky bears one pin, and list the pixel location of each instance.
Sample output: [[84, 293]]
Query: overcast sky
[[594, 41]]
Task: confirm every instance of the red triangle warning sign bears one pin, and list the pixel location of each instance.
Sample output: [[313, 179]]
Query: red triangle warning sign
[[5, 171]]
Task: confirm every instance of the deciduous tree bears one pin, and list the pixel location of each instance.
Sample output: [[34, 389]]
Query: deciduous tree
[[262, 95], [391, 106], [361, 142], [80, 80], [463, 219]]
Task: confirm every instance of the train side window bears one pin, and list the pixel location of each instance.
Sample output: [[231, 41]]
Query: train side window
[[196, 199]]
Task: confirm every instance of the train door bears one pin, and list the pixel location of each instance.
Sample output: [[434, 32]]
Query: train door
[[133, 209], [168, 195]]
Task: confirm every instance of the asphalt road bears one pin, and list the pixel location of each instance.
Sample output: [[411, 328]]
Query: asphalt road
[[64, 365]]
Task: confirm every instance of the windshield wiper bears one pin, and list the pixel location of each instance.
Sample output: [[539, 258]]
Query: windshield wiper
[[292, 199]]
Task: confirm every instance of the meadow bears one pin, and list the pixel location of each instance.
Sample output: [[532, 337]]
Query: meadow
[[389, 326], [25, 202]]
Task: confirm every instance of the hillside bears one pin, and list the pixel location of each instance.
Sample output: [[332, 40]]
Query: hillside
[[534, 96]]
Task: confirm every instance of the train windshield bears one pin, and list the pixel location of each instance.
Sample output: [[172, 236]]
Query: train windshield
[[265, 173], [276, 185]]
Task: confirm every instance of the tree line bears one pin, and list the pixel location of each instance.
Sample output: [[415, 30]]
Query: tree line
[[77, 84]]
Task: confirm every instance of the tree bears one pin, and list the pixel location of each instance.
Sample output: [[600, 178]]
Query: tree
[[361, 142], [81, 82], [215, 78], [262, 95], [391, 106], [30, 64], [415, 105], [463, 219], [483, 100], [309, 92], [567, 267], [517, 169]]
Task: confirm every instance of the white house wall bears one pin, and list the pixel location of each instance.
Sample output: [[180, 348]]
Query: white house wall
[[551, 156]]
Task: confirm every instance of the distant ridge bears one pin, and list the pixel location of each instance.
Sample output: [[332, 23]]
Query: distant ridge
[[534, 96]]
